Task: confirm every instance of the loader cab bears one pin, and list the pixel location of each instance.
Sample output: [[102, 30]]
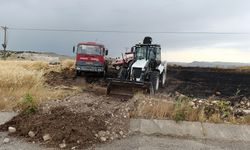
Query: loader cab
[[147, 52]]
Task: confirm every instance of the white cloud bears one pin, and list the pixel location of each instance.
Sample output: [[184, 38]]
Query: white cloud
[[207, 54]]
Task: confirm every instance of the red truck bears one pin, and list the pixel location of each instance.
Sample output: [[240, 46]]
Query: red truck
[[90, 58]]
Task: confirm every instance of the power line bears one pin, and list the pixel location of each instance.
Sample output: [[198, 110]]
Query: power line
[[130, 32]]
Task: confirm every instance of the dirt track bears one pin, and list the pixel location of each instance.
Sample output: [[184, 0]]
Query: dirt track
[[205, 82]]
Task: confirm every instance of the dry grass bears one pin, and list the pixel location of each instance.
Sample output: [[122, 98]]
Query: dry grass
[[164, 108], [18, 78], [178, 109], [215, 118], [68, 63], [246, 119], [244, 68], [152, 108]]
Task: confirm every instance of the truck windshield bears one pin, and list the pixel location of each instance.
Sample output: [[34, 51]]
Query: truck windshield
[[89, 49]]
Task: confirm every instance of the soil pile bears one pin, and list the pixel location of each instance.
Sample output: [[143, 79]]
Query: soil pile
[[63, 126], [79, 121], [65, 78]]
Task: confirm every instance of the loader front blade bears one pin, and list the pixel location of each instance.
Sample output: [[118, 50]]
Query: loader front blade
[[128, 88]]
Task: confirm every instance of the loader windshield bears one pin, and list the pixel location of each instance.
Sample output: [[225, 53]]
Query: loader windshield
[[89, 49], [145, 52], [141, 52]]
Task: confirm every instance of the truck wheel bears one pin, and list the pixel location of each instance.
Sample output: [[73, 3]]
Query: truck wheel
[[104, 74], [78, 73], [163, 79], [105, 71], [155, 79]]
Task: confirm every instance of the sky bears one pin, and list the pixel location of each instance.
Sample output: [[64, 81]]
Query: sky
[[145, 16]]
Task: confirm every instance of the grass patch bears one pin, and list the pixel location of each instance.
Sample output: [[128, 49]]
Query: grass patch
[[28, 105], [149, 107], [247, 119], [17, 78], [180, 109], [244, 68]]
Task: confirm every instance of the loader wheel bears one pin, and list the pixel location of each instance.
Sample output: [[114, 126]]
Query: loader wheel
[[108, 89], [155, 79], [163, 79], [122, 74]]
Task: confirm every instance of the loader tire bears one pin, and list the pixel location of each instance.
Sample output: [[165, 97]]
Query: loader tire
[[163, 79], [122, 74], [108, 89], [155, 79]]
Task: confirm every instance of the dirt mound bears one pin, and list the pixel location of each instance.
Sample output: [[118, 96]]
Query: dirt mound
[[75, 129], [80, 121], [65, 77]]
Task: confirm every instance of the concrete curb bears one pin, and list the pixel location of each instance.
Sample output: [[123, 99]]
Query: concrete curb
[[192, 129], [6, 116]]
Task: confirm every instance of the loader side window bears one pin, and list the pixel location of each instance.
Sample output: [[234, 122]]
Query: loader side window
[[158, 53], [152, 53]]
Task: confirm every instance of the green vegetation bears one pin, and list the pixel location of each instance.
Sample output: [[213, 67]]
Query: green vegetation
[[28, 105]]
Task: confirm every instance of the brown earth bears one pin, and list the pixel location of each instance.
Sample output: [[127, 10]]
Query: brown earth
[[61, 124], [79, 121], [67, 77]]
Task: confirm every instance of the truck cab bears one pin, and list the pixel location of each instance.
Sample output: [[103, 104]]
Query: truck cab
[[90, 58]]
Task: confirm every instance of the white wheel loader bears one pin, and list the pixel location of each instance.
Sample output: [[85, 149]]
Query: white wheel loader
[[146, 72]]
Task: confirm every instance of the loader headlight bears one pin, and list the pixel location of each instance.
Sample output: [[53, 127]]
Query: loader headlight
[[78, 68]]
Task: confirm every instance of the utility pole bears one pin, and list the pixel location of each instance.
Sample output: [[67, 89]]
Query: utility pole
[[5, 41]]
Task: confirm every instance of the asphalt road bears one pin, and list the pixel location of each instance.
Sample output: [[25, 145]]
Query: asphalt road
[[138, 142]]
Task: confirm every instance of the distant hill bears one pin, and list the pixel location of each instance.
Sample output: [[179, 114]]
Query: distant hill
[[33, 55], [210, 64]]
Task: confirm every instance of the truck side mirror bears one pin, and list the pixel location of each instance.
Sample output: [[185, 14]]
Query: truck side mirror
[[74, 48], [106, 52]]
